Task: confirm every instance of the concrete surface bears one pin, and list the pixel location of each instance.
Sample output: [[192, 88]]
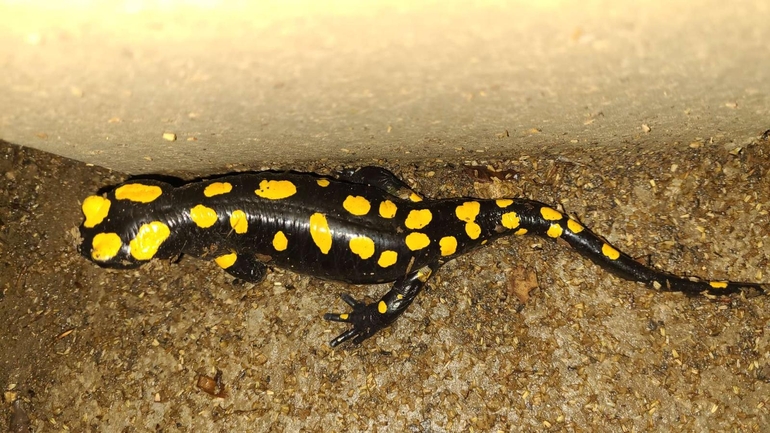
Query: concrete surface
[[273, 81]]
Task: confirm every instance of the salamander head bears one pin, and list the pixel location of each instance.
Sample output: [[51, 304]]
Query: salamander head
[[118, 231]]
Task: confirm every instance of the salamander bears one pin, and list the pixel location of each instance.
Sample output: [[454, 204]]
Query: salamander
[[362, 226]]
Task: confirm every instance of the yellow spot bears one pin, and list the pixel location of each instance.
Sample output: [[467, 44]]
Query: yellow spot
[[356, 205], [468, 211], [387, 258], [362, 246], [319, 231], [555, 231], [280, 243], [423, 274], [204, 217], [520, 232], [550, 214], [511, 220], [609, 251], [414, 197], [417, 241], [95, 209], [276, 189], [382, 307], [418, 219], [323, 182], [148, 240], [105, 246], [344, 316], [227, 260], [503, 202], [388, 209], [448, 245], [718, 284], [217, 188], [473, 230], [574, 226], [138, 192], [239, 222]]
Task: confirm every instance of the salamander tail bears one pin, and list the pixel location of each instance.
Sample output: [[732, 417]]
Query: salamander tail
[[537, 218]]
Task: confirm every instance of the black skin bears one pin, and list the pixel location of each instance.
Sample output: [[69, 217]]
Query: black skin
[[409, 273]]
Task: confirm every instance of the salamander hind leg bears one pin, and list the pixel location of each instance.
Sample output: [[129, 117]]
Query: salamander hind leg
[[367, 319], [383, 179], [243, 266]]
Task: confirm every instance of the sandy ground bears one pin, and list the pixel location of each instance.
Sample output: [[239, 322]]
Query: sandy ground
[[87, 349]]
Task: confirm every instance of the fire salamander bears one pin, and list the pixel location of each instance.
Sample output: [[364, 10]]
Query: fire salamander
[[365, 226]]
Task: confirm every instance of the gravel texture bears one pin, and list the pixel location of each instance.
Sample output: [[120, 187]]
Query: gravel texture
[[88, 349]]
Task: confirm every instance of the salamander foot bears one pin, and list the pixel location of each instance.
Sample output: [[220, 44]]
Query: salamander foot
[[366, 320]]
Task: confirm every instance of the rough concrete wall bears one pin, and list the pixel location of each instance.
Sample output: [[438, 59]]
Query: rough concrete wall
[[235, 83]]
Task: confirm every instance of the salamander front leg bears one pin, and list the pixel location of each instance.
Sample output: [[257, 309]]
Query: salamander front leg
[[243, 266], [367, 319]]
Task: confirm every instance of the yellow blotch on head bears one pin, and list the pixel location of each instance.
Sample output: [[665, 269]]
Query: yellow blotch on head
[[448, 245], [217, 188], [610, 251], [555, 230], [473, 230], [510, 220], [105, 246], [320, 233], [388, 209], [276, 189], [356, 205], [239, 222], [520, 232], [387, 258], [138, 192], [280, 243], [414, 197], [468, 211], [574, 226], [148, 240], [418, 219], [362, 246], [226, 260], [204, 217], [322, 182], [503, 203], [718, 284], [95, 209], [417, 241], [550, 214]]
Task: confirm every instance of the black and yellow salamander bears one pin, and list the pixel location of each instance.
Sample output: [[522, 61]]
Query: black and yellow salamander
[[365, 226]]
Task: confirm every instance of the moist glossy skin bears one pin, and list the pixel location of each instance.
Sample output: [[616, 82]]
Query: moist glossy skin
[[365, 227], [323, 227]]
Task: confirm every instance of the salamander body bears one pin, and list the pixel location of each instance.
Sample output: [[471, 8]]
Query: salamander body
[[365, 226]]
